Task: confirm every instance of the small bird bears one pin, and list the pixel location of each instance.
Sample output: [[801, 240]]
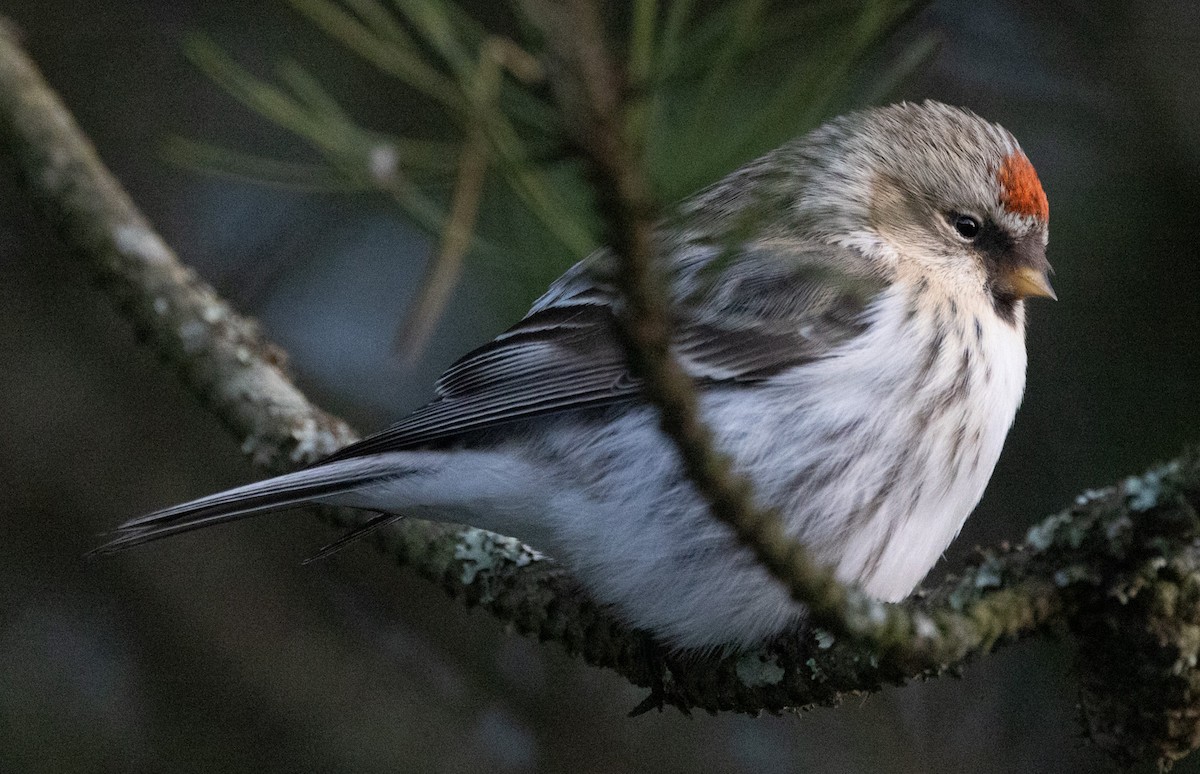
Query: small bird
[[850, 307]]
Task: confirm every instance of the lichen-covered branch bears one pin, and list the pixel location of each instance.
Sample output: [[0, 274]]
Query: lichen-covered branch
[[1119, 569], [221, 355]]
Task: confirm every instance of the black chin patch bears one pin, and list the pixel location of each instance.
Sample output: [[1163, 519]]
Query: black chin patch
[[1005, 305], [1001, 253]]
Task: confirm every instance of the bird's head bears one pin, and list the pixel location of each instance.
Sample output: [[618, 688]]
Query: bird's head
[[929, 193]]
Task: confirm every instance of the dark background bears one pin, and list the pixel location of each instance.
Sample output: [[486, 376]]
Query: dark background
[[218, 652]]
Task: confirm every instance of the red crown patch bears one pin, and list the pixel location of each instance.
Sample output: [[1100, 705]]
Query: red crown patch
[[1020, 190]]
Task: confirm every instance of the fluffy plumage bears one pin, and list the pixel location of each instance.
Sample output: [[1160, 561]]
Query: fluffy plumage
[[851, 308]]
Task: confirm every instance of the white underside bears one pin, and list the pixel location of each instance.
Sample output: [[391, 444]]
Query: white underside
[[847, 450]]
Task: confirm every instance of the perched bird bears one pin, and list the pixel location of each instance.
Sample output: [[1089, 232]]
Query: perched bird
[[851, 308]]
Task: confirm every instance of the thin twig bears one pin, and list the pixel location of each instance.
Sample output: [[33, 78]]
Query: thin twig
[[497, 56], [445, 265]]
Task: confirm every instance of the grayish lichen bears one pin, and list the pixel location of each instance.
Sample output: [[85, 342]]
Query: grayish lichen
[[136, 241], [758, 669], [309, 440], [988, 576], [825, 639], [1041, 535], [481, 551]]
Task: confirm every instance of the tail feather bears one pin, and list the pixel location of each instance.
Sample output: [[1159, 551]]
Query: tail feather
[[290, 490]]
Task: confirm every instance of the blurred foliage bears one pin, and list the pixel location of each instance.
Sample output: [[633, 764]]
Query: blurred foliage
[[715, 84]]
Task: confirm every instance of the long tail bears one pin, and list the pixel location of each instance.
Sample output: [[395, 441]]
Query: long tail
[[287, 491]]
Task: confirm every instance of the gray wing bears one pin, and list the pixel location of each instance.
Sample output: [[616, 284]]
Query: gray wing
[[737, 323]]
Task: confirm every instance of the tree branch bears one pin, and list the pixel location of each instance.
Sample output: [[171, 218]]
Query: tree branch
[[1121, 568], [220, 355]]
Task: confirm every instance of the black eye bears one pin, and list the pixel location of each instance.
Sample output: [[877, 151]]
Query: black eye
[[966, 226]]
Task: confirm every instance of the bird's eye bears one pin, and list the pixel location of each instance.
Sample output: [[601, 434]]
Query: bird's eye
[[966, 226]]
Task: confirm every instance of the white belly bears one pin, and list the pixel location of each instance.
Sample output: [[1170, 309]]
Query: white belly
[[910, 423], [874, 457]]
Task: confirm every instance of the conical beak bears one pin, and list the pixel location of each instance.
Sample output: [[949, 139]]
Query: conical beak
[[1027, 281]]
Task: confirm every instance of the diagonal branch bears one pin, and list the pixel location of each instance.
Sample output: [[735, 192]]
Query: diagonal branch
[[221, 356], [1123, 563]]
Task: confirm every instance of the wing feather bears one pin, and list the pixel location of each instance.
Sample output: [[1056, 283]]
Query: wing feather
[[771, 313]]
